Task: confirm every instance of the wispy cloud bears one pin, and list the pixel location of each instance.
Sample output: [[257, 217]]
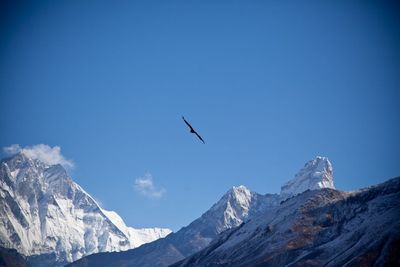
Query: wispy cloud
[[145, 186], [12, 150], [46, 154]]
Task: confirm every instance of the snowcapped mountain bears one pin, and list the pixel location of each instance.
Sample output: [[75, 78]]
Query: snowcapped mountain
[[235, 207], [47, 216], [230, 211], [316, 174], [238, 204], [322, 227]]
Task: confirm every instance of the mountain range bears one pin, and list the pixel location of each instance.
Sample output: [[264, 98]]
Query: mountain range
[[309, 223], [323, 227], [46, 216]]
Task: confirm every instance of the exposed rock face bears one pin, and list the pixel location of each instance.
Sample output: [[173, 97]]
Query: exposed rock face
[[46, 215]]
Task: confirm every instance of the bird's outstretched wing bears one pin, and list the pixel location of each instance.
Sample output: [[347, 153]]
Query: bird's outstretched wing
[[199, 137], [188, 124], [192, 130]]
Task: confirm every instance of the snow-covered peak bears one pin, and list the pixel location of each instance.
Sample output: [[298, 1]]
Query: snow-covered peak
[[240, 194], [21, 159], [43, 211], [238, 203], [236, 196], [233, 208], [316, 174]]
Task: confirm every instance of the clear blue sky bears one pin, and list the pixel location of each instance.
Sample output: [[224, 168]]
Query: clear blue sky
[[268, 84]]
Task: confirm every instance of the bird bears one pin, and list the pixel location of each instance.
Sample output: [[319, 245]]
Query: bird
[[192, 130]]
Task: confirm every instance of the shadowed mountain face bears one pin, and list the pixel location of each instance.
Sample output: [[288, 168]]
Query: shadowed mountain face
[[316, 228], [11, 258]]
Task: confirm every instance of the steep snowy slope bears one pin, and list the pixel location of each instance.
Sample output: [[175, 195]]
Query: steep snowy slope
[[238, 205], [316, 228], [44, 213]]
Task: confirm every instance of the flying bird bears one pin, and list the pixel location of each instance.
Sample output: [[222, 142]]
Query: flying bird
[[192, 130]]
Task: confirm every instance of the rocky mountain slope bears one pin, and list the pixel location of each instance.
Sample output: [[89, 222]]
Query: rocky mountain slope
[[238, 205], [51, 219], [322, 227]]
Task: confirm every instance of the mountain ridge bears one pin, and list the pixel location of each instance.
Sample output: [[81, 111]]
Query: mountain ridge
[[235, 207], [323, 227], [224, 214]]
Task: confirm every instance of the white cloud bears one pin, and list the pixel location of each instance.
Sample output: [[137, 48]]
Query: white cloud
[[46, 154], [145, 186], [12, 150]]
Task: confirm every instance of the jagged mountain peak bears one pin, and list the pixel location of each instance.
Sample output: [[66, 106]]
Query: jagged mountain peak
[[43, 211], [316, 174], [237, 196], [235, 206], [241, 194], [21, 159], [239, 188]]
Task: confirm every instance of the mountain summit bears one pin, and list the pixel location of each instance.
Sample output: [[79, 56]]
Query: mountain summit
[[316, 174], [234, 207], [44, 214]]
